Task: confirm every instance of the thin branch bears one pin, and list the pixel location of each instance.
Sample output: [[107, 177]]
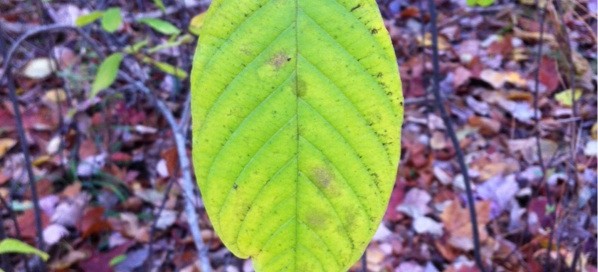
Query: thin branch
[[23, 140], [453, 137], [29, 169], [185, 166]]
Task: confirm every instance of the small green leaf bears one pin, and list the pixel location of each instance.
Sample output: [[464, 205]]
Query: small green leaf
[[169, 44], [15, 246], [118, 259], [112, 19], [167, 68], [160, 5], [106, 73], [161, 26], [89, 18], [130, 49], [482, 3]]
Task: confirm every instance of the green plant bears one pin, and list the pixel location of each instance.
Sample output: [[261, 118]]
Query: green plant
[[297, 110], [482, 3], [10, 245]]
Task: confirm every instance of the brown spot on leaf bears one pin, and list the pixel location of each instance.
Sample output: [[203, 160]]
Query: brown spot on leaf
[[316, 219], [323, 176], [279, 60], [301, 88]]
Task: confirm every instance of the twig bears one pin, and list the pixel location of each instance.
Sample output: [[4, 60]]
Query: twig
[[185, 166], [542, 16], [453, 137], [23, 139], [155, 223]]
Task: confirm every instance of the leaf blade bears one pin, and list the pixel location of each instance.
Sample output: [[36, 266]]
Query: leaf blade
[[160, 26], [106, 74], [10, 245], [111, 19], [294, 162]]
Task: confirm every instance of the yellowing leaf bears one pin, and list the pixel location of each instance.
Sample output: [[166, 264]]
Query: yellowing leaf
[[5, 145], [111, 19], [39, 68], [54, 96], [196, 23], [106, 73], [297, 112], [167, 68], [9, 245], [565, 97]]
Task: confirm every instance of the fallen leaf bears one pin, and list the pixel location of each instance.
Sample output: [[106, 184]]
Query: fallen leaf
[[166, 219], [500, 191], [68, 260], [458, 225], [39, 68], [591, 149], [54, 96], [409, 267], [424, 224], [133, 260], [53, 233], [487, 126], [415, 203], [5, 145], [565, 97]]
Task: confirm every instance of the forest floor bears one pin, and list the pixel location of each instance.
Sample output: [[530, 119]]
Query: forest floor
[[106, 167]]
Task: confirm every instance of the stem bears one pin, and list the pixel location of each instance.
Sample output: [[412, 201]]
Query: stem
[[453, 137], [185, 166]]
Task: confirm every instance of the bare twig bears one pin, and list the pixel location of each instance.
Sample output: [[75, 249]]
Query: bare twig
[[542, 17], [185, 166], [453, 137], [22, 138]]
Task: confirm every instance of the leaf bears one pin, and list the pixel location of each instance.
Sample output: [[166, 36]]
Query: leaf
[[297, 110], [161, 26], [167, 68], [482, 3], [118, 259], [112, 19], [39, 68], [89, 18], [9, 245], [196, 23], [5, 145], [458, 225], [565, 97], [159, 4], [106, 73]]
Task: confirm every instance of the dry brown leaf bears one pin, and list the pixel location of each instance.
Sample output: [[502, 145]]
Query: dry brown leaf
[[5, 145], [457, 224]]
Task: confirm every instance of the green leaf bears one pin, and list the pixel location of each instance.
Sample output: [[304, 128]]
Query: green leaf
[[297, 112], [89, 18], [483, 3], [106, 73], [112, 19], [15, 246], [160, 5], [167, 68], [118, 259], [161, 26]]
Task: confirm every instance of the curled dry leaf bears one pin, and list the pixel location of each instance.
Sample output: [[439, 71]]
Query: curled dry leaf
[[39, 68], [5, 145]]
